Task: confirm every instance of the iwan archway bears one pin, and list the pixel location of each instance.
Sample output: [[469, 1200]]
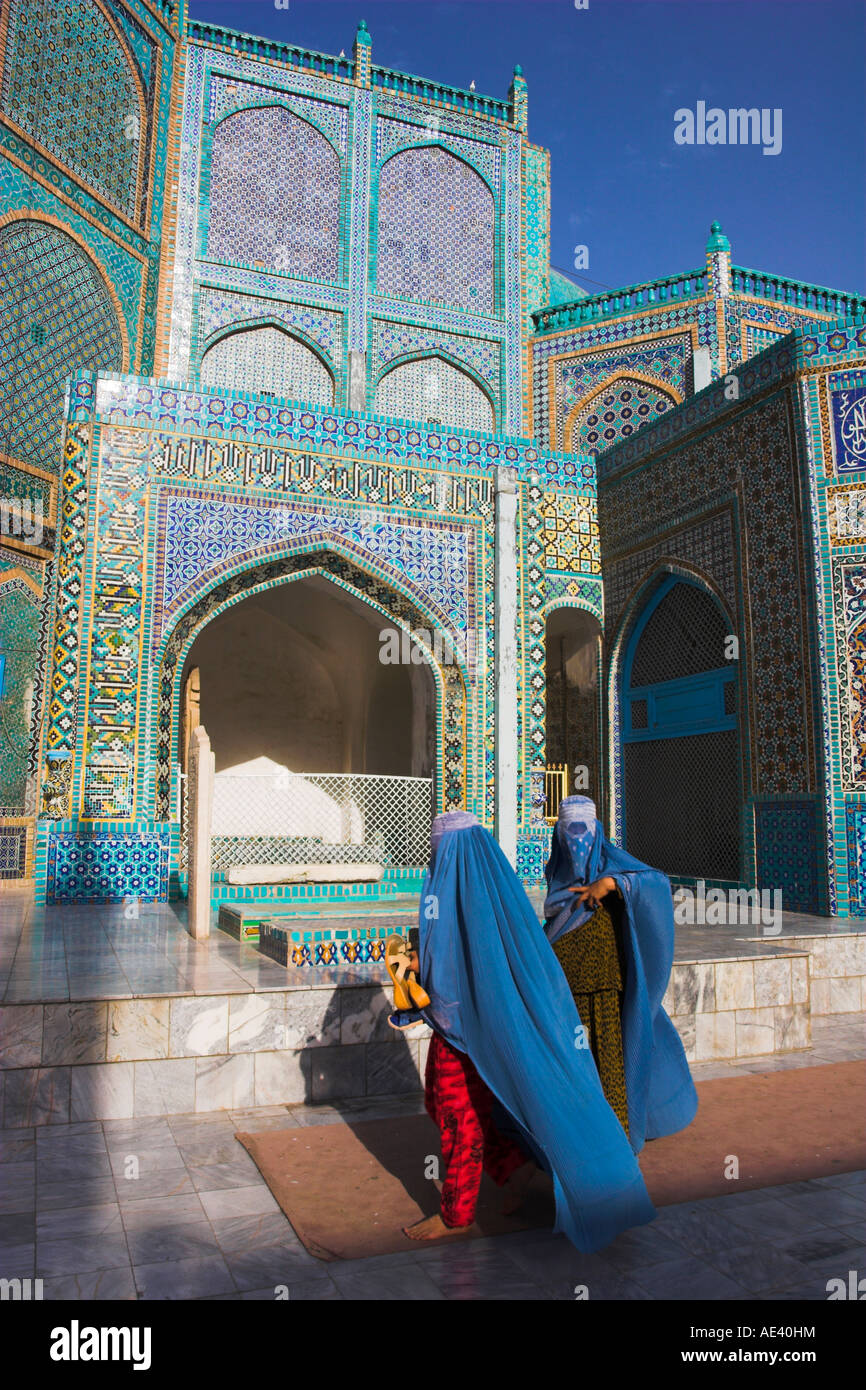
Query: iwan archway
[[283, 664]]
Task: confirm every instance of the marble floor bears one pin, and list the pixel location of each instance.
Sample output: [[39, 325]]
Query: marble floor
[[198, 1222], [53, 954]]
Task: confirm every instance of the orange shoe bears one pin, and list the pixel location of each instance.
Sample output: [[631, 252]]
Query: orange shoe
[[408, 993]]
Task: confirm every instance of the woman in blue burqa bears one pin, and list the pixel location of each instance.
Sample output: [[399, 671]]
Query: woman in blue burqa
[[610, 921], [503, 1014]]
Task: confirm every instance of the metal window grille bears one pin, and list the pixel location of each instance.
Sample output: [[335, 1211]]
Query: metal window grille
[[682, 802], [13, 851], [319, 818], [556, 789], [684, 636], [682, 792]]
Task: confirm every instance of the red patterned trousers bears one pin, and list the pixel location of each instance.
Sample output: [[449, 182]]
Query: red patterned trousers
[[458, 1101]]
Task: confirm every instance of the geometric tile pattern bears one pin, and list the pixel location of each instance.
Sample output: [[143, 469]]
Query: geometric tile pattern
[[570, 534], [13, 851], [581, 593], [87, 111], [67, 617], [202, 534], [331, 119], [267, 159], [436, 231], [710, 546], [431, 390], [219, 309], [855, 820], [392, 136], [577, 378], [786, 845], [846, 514], [19, 632], [757, 339], [390, 340], [258, 423], [267, 361], [616, 412], [618, 346], [107, 865], [690, 477], [59, 318]]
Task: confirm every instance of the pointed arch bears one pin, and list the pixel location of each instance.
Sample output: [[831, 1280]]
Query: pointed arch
[[436, 230], [269, 158], [265, 358], [329, 559], [461, 399], [625, 417], [90, 115], [65, 316], [676, 712]]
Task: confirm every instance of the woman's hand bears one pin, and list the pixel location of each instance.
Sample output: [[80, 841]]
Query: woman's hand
[[592, 894]]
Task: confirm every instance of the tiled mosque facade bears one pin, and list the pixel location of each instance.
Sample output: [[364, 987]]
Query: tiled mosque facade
[[279, 315]]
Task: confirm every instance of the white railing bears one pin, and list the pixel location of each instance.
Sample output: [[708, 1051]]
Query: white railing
[[319, 818]]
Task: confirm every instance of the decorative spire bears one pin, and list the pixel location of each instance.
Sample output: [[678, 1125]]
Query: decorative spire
[[363, 55], [718, 262], [518, 98], [717, 240]]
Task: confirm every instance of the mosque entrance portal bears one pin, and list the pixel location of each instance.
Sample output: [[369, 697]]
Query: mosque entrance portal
[[324, 753]]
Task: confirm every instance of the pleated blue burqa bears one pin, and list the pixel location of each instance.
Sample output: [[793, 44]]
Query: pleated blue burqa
[[498, 994], [660, 1092]]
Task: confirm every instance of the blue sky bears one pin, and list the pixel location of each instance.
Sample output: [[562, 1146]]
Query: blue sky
[[604, 84]]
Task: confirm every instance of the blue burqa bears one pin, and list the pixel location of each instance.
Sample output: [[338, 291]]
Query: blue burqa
[[498, 994], [661, 1094]]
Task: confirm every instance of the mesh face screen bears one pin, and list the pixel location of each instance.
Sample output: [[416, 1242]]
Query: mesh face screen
[[682, 804], [684, 636]]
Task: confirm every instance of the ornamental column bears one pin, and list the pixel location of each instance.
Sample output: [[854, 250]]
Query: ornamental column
[[505, 683]]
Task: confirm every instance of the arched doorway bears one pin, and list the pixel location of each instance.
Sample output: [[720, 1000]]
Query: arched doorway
[[324, 751], [572, 647], [413, 716], [294, 674], [680, 738]]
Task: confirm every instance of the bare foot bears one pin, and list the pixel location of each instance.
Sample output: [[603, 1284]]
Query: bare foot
[[431, 1228], [514, 1190]]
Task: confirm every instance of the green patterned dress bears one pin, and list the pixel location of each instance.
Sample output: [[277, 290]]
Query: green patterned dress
[[590, 958]]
